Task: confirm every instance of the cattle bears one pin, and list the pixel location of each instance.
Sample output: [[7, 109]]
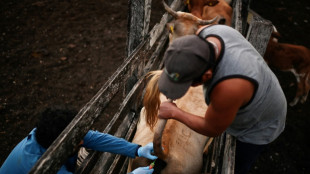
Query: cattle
[[223, 10], [188, 23], [293, 58], [196, 6], [180, 147]]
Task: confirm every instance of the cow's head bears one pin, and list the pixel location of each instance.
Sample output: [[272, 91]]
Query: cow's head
[[195, 7], [223, 10], [184, 23]]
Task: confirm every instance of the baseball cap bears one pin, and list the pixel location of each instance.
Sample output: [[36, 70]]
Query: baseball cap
[[186, 59]]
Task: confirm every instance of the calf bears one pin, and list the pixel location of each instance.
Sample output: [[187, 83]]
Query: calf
[[293, 58]]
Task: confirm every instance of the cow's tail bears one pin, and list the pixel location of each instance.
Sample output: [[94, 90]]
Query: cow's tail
[[157, 141], [151, 103], [151, 100]]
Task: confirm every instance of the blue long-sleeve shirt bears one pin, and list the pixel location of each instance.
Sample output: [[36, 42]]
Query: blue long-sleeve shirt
[[28, 151]]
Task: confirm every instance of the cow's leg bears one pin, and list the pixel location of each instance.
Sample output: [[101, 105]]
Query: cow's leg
[[296, 75], [294, 102], [299, 92], [306, 88], [300, 78]]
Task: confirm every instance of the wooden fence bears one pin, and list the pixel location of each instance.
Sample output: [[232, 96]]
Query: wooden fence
[[144, 53]]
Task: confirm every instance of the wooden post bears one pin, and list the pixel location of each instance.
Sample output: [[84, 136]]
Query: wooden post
[[259, 31], [236, 18], [139, 12], [147, 17], [228, 166], [244, 14], [240, 13]]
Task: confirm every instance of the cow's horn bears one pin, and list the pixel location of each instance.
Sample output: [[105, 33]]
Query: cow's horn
[[206, 22], [170, 11]]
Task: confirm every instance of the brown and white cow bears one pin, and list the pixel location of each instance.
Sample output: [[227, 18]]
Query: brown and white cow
[[293, 58]]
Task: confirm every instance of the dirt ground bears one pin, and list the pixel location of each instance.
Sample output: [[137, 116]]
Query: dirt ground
[[62, 52]]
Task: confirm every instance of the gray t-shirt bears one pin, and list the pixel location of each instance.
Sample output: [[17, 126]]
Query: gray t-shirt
[[263, 119]]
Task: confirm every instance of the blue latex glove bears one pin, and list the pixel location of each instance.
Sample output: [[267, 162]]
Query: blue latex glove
[[146, 151], [142, 170]]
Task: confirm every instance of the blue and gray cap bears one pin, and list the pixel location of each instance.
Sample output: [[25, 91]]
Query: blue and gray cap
[[186, 59]]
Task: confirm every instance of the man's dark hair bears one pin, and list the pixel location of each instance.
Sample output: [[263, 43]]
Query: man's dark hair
[[52, 121]]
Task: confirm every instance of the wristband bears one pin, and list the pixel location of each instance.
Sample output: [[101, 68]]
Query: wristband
[[137, 150]]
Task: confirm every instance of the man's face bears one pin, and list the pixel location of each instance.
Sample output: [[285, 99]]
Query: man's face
[[207, 76]]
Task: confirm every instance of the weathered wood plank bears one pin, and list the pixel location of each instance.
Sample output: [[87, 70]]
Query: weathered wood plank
[[240, 13], [212, 162], [220, 153], [244, 13], [237, 18], [138, 22], [147, 17], [134, 24], [228, 166], [259, 31]]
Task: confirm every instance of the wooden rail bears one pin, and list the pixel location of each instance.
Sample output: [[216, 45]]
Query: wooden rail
[[144, 53]]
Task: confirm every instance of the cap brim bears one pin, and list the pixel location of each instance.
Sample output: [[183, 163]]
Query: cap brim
[[171, 89]]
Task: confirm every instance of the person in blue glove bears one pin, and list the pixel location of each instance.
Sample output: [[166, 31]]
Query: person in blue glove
[[51, 123], [142, 170]]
